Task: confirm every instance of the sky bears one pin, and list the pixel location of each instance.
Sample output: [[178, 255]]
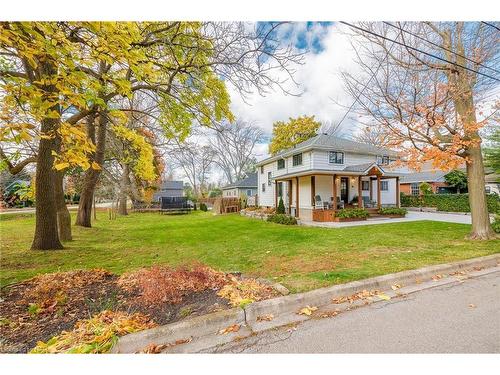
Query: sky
[[327, 53]]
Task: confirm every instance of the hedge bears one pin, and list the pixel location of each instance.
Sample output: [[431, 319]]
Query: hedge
[[448, 202]]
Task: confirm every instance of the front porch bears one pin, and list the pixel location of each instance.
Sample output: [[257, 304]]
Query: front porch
[[318, 197]]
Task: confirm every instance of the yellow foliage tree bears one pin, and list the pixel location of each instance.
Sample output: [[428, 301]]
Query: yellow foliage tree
[[288, 134]]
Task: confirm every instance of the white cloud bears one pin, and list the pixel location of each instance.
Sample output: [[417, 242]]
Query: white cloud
[[319, 80]]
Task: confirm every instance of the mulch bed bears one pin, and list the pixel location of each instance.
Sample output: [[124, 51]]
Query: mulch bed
[[42, 307]]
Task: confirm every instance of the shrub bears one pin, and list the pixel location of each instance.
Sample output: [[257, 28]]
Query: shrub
[[392, 211], [350, 213], [282, 219], [203, 207], [281, 207], [448, 202], [425, 188], [496, 224]]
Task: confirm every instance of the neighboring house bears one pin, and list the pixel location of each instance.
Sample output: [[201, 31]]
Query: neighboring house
[[169, 189], [410, 183], [246, 186], [332, 169], [492, 183]]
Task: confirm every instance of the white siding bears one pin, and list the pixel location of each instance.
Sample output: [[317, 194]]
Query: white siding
[[387, 197], [321, 160]]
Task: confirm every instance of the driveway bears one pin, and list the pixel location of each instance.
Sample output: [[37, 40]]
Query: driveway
[[463, 317], [410, 216]]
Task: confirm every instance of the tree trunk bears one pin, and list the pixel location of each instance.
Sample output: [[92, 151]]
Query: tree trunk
[[46, 236], [84, 215], [124, 188], [63, 216], [481, 227]]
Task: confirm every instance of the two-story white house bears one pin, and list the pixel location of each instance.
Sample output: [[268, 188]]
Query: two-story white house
[[325, 169]]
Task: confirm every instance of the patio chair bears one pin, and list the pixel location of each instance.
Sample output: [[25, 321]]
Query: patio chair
[[340, 204], [367, 203], [318, 203]]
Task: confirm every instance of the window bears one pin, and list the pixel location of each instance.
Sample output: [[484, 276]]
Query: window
[[264, 188], [280, 189], [269, 178], [336, 157], [384, 185], [414, 188], [261, 169], [488, 189], [281, 163], [365, 185], [249, 192], [383, 160], [297, 159]]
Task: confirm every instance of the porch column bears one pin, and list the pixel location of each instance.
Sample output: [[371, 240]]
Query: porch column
[[289, 197], [313, 191], [296, 197], [379, 198], [360, 193], [275, 194], [371, 189], [398, 203], [334, 193]]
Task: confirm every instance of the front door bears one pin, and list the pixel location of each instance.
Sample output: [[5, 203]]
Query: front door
[[344, 189]]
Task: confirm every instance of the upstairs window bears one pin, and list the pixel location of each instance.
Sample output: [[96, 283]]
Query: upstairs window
[[336, 157], [384, 185], [297, 159], [269, 178], [383, 160], [281, 163]]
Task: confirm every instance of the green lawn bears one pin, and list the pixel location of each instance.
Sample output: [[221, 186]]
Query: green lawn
[[301, 258]]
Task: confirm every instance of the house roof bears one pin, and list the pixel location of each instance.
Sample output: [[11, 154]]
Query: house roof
[[425, 176], [248, 182], [362, 167], [173, 185], [326, 141]]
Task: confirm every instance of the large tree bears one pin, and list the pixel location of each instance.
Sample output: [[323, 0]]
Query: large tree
[[422, 83], [295, 131], [234, 148]]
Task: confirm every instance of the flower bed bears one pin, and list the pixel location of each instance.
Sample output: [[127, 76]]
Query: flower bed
[[350, 214], [257, 212], [85, 311], [393, 211]]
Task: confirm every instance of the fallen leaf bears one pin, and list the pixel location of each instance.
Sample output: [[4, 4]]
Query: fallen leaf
[[330, 314], [395, 286], [233, 328], [265, 318], [418, 281], [437, 277], [472, 305], [308, 310], [383, 296]]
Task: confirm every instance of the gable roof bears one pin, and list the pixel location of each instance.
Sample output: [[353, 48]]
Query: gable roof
[[362, 167], [172, 185], [330, 142], [248, 182]]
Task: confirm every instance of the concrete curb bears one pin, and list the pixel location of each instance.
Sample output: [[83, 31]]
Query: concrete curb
[[284, 309]]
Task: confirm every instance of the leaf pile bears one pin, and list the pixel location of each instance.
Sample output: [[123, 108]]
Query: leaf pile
[[365, 294], [242, 292], [54, 289], [162, 284], [95, 335]]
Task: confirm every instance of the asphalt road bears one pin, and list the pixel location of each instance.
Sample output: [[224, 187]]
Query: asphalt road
[[458, 318]]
